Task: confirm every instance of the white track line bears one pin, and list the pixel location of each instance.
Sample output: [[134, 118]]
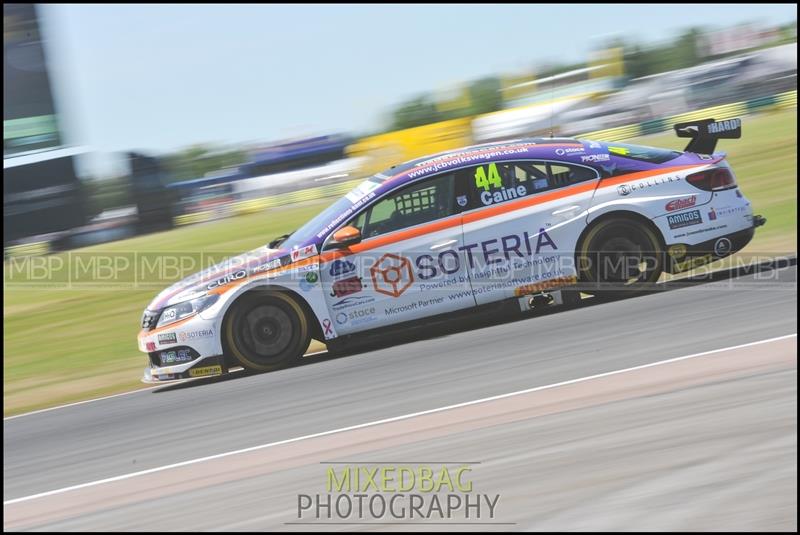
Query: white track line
[[384, 421], [80, 402], [170, 383]]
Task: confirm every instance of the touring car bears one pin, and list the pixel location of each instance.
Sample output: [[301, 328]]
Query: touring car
[[453, 231]]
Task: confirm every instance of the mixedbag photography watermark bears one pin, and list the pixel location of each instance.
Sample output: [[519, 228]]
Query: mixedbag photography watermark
[[398, 493]]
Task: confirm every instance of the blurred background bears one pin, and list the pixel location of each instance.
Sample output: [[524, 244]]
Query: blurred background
[[130, 129]]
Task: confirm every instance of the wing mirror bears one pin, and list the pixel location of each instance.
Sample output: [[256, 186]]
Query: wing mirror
[[345, 236]]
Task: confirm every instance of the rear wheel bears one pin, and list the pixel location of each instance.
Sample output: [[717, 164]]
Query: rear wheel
[[620, 257], [266, 331]]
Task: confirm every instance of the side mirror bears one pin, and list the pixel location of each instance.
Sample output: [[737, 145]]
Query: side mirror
[[345, 237]]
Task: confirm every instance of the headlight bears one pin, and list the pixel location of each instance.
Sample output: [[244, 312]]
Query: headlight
[[174, 313]]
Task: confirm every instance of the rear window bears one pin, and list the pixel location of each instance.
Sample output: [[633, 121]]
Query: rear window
[[645, 154]]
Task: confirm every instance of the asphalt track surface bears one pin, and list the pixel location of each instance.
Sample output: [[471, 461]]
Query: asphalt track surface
[[701, 439]]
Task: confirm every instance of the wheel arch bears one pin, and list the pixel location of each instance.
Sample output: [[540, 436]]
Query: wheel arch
[[308, 311], [631, 215]]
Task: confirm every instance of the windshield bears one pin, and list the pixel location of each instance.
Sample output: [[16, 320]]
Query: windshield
[[639, 152], [336, 213]]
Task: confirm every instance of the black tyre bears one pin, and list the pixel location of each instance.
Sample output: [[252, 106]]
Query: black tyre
[[618, 257], [266, 331]]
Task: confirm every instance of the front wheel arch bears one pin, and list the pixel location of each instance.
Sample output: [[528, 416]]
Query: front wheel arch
[[306, 313]]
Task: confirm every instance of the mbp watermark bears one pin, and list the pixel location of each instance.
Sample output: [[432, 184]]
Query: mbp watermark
[[393, 492]]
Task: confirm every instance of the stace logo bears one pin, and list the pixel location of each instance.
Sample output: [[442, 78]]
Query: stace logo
[[392, 275]]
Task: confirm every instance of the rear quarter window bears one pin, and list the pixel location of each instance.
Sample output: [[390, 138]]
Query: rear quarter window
[[642, 153]]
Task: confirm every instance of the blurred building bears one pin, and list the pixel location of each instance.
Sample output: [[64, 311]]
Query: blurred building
[[41, 191]]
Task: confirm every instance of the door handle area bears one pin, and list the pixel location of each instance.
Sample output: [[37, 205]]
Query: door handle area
[[443, 244], [567, 210]]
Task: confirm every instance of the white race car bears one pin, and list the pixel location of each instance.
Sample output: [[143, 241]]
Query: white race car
[[454, 231]]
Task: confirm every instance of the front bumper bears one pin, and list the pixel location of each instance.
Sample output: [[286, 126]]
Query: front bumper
[[202, 367], [186, 350]]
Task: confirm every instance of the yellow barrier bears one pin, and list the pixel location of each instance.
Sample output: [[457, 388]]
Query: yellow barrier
[[787, 100], [388, 149], [614, 134], [29, 249]]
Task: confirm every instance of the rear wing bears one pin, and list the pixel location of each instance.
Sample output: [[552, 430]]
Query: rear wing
[[706, 132]]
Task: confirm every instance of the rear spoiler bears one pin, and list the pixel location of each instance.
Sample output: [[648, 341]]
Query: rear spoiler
[[706, 132]]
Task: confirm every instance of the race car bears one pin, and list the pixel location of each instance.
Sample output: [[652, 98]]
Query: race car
[[454, 231]]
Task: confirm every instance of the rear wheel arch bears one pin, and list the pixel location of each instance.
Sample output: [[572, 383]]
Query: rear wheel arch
[[634, 217], [637, 223]]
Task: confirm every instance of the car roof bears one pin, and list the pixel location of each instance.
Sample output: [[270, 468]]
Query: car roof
[[499, 145]]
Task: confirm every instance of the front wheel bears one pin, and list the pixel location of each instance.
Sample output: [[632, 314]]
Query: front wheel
[[620, 257], [266, 331]]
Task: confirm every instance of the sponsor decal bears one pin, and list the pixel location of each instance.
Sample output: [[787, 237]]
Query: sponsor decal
[[596, 158], [539, 183], [303, 252], [306, 268], [724, 126], [503, 194], [328, 328], [458, 159], [272, 264], [341, 267], [392, 275], [206, 371], [712, 215], [627, 189], [681, 204], [677, 251], [167, 338], [685, 219], [461, 200], [353, 300], [347, 286], [559, 282], [356, 317], [727, 211], [242, 273], [172, 357], [345, 215], [569, 150], [595, 145], [170, 314], [362, 190], [416, 305], [308, 282], [722, 247], [194, 335], [488, 252], [701, 231]]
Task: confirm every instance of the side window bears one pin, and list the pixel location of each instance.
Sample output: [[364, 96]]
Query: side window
[[413, 205], [500, 182], [565, 175]]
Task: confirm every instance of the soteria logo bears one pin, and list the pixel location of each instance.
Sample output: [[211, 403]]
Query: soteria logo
[[392, 275]]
